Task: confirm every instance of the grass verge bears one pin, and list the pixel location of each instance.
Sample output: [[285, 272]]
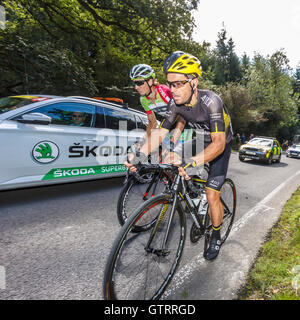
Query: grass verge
[[276, 272]]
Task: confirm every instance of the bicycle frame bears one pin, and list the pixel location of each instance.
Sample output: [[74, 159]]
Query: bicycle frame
[[178, 185], [157, 176]]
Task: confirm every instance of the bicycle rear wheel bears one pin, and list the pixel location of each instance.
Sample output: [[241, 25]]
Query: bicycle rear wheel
[[137, 270], [137, 191], [228, 199]]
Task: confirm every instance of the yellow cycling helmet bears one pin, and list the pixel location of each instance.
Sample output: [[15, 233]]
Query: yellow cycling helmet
[[181, 62]]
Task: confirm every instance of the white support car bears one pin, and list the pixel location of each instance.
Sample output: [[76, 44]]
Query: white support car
[[293, 151], [49, 139]]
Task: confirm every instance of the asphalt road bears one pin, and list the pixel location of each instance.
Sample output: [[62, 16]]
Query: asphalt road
[[54, 240]]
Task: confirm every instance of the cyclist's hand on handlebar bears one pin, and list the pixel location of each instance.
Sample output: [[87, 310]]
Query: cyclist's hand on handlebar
[[182, 173], [176, 160], [172, 158], [128, 163], [135, 159], [187, 166]]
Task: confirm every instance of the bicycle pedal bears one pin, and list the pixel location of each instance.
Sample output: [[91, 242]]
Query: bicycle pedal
[[158, 252]]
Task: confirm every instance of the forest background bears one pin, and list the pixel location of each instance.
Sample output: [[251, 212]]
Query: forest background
[[87, 47]]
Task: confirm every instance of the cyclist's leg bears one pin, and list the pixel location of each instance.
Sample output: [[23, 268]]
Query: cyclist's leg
[[217, 175]]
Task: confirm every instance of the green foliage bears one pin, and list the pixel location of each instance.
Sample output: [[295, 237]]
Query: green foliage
[[237, 98], [227, 64], [270, 88], [87, 47], [272, 276]]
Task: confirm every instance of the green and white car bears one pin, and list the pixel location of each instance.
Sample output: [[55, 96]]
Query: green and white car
[[48, 139]]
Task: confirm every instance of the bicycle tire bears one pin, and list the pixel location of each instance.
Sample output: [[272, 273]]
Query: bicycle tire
[[229, 203], [132, 196], [228, 199], [131, 272]]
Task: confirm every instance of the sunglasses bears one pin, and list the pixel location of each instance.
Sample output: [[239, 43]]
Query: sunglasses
[[138, 83], [76, 116], [177, 84]]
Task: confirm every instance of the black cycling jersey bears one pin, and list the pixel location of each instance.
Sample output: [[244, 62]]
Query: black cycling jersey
[[207, 116]]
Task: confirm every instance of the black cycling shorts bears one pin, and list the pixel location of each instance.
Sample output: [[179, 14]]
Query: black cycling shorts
[[217, 167]]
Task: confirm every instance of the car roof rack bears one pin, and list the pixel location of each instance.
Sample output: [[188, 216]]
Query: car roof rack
[[113, 100], [265, 137], [114, 103]]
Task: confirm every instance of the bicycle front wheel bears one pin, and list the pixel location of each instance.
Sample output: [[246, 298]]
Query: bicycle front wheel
[[136, 191], [139, 267]]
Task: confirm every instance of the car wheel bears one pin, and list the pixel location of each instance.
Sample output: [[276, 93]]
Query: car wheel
[[278, 160], [270, 159], [242, 158]]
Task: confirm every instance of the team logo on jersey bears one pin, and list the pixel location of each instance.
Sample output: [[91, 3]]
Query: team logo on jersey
[[206, 100], [45, 152]]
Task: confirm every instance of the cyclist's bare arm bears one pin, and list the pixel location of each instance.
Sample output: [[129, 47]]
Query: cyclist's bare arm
[[151, 125], [178, 130], [152, 142], [214, 149]]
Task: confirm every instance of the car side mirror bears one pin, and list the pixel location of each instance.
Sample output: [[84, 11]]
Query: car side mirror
[[34, 118]]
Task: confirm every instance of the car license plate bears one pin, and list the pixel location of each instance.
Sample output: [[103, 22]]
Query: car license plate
[[294, 153], [251, 152]]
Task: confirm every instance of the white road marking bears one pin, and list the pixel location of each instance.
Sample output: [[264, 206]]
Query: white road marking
[[2, 278], [186, 271]]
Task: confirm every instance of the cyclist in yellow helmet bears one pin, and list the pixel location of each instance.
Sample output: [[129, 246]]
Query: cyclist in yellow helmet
[[154, 98], [204, 111]]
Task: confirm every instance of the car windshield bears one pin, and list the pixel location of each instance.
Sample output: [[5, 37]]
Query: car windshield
[[12, 103], [261, 142], [296, 147]]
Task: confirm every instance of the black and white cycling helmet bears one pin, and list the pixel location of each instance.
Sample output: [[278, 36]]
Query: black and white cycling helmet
[[143, 71]]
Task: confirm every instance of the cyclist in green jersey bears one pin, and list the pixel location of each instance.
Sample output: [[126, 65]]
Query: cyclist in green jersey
[[154, 99]]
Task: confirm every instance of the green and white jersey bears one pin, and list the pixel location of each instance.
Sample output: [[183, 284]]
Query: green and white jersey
[[160, 107]]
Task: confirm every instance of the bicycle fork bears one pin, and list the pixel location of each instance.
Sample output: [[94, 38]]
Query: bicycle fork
[[163, 251], [154, 181]]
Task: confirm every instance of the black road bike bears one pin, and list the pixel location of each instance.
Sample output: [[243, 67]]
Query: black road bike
[[141, 264], [143, 185]]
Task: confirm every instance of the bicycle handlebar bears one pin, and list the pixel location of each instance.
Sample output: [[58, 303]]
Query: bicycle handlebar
[[157, 166], [141, 166], [163, 166]]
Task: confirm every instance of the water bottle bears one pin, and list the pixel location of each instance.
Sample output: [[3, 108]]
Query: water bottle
[[203, 206], [196, 202]]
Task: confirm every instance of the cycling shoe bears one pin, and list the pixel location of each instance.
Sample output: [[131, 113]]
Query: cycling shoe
[[213, 249]]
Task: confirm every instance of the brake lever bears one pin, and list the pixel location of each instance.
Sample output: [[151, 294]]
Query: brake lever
[[127, 176], [183, 186]]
